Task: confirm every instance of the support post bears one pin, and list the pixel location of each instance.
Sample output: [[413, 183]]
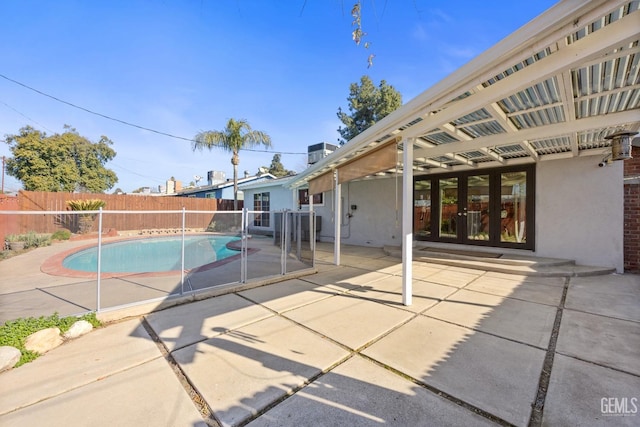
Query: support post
[[99, 271], [407, 222], [312, 230], [244, 244], [337, 216], [184, 223]]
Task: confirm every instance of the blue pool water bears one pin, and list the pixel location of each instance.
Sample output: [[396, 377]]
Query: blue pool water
[[152, 254]]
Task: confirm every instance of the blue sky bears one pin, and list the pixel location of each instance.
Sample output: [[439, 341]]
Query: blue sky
[[184, 66]]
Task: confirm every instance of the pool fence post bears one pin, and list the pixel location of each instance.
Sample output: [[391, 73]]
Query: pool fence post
[[99, 258], [298, 222], [283, 242], [243, 244], [182, 253]]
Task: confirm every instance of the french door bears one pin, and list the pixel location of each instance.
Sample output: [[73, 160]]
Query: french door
[[490, 208]]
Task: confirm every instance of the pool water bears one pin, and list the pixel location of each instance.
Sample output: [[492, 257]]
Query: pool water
[[152, 254]]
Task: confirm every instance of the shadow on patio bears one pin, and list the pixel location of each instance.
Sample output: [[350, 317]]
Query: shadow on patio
[[339, 347]]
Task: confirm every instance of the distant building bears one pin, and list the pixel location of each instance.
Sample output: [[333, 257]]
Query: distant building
[[224, 189], [173, 186]]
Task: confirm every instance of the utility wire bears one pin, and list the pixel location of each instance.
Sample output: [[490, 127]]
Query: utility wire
[[25, 116], [123, 121]]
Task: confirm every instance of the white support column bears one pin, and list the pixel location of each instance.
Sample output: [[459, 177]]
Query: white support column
[[337, 216], [407, 222]]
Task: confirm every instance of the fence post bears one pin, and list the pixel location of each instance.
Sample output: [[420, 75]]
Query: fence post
[[283, 243], [182, 253], [312, 237], [243, 244], [99, 258], [298, 217]]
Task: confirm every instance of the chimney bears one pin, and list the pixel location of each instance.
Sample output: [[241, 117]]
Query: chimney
[[215, 177]]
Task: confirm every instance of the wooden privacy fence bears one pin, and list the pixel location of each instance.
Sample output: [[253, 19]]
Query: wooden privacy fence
[[45, 201], [7, 203]]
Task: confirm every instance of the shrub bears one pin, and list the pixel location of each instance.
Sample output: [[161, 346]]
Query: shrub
[[85, 221], [86, 205], [61, 235], [33, 240], [14, 238], [30, 239]]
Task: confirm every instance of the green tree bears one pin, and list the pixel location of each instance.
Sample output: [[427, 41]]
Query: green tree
[[236, 135], [368, 104], [277, 168], [60, 162]]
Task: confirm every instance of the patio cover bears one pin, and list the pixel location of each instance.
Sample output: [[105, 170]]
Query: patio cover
[[553, 89]]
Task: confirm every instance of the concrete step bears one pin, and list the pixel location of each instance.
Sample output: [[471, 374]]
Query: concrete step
[[507, 263]]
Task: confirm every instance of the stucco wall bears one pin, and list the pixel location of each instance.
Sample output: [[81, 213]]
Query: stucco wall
[[579, 211], [374, 222], [279, 198]]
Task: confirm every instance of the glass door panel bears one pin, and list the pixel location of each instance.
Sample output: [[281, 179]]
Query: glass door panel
[[422, 209], [513, 212], [448, 190], [477, 209], [491, 207]]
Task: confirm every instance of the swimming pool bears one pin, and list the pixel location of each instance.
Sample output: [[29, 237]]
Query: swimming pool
[[158, 254]]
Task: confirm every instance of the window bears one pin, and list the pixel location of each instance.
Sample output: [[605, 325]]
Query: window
[[303, 198], [261, 203]]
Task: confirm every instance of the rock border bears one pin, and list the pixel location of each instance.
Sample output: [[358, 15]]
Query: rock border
[[41, 342]]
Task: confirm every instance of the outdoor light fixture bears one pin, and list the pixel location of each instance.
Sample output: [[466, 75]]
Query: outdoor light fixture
[[621, 145]]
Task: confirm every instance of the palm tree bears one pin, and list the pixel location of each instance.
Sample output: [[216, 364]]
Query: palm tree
[[234, 137]]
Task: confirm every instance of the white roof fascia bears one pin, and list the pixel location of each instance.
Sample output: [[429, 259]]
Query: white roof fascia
[[267, 183]]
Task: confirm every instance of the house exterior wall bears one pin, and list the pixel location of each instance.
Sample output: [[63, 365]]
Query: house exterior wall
[[578, 211], [227, 193], [374, 222], [279, 198]]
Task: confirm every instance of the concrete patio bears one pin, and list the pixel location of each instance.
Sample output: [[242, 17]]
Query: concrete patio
[[339, 348]]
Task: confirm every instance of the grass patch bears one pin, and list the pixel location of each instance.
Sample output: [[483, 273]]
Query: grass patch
[[14, 332]]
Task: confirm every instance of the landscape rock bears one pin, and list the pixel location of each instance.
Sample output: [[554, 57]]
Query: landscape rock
[[79, 328], [9, 356], [44, 340]]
